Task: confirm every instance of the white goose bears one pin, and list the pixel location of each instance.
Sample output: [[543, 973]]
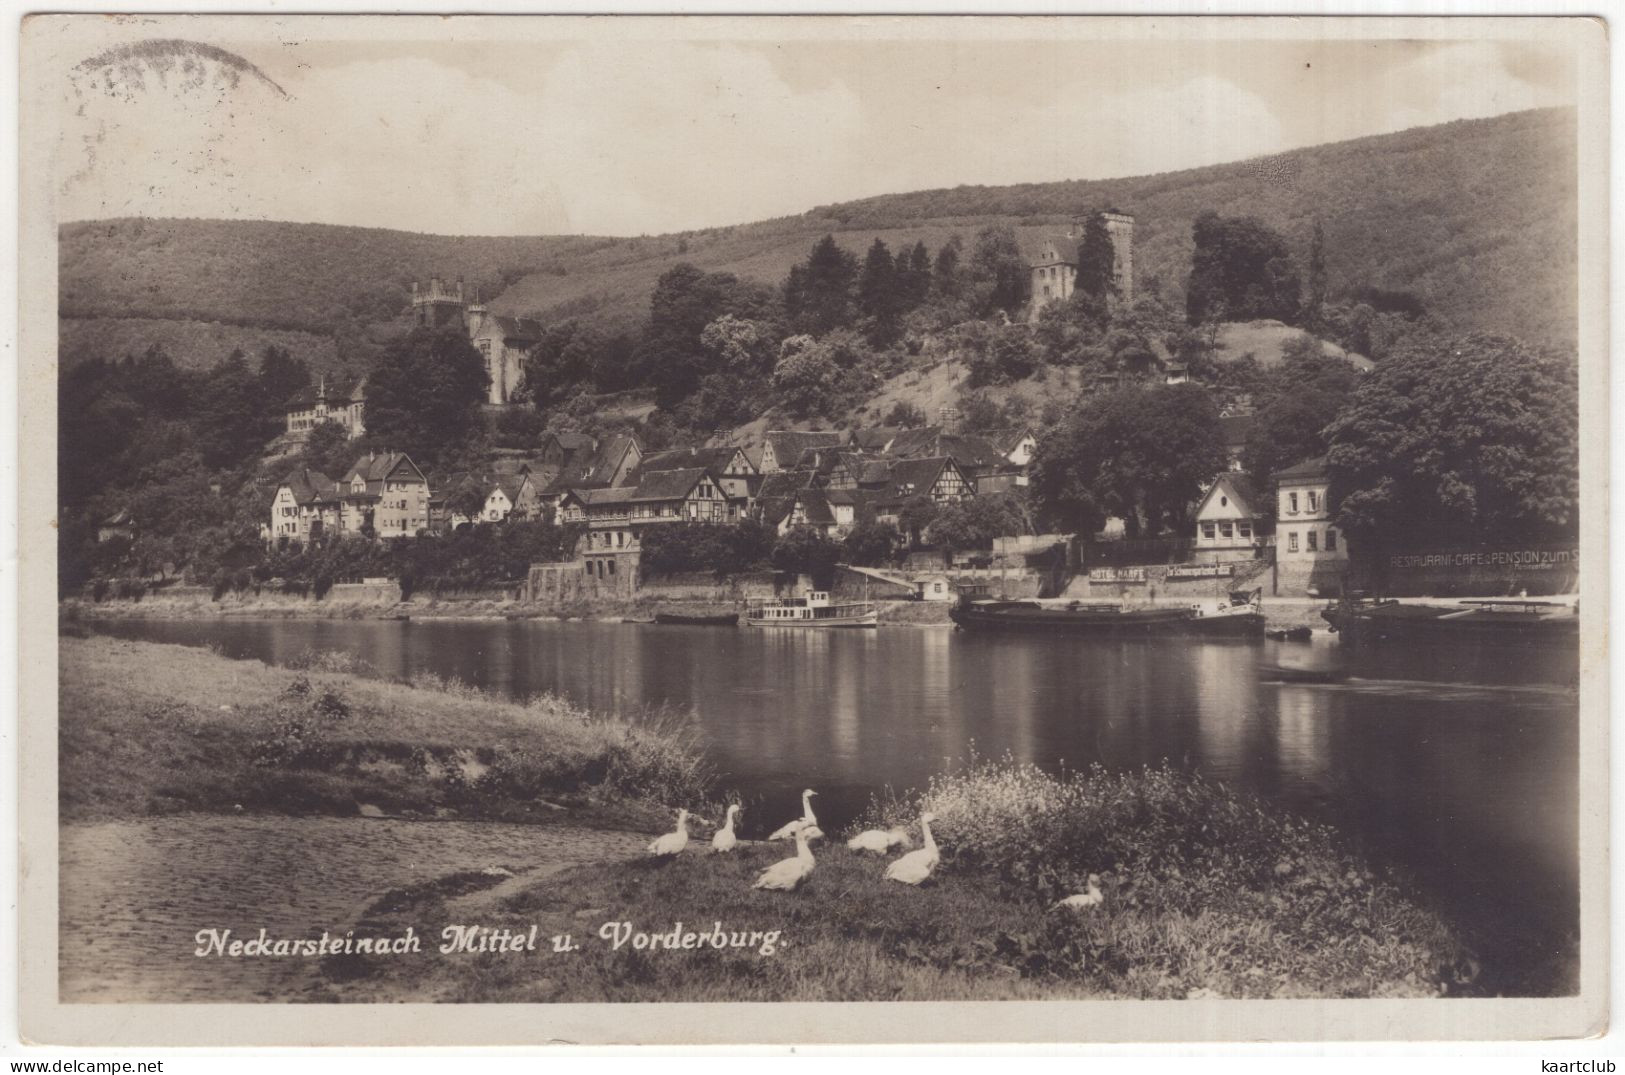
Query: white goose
[[672, 843], [916, 866], [879, 841], [787, 875], [725, 840], [1093, 897], [787, 830]]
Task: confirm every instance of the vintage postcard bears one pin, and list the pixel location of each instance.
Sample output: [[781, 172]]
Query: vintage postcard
[[733, 530]]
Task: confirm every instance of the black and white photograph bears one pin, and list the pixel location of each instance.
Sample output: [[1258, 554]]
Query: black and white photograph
[[595, 514]]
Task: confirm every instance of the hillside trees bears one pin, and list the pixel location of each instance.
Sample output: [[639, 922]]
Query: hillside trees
[[1295, 404], [872, 544], [818, 294], [1142, 454], [998, 269], [424, 396], [806, 376], [565, 358], [806, 551], [280, 377], [671, 358], [974, 523], [1241, 269], [230, 414], [1457, 440], [882, 295]]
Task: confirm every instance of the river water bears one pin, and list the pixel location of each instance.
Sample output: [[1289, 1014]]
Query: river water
[[1457, 765]]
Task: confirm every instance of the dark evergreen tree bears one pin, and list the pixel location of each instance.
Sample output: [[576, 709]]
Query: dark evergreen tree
[[818, 295], [424, 396], [1096, 259], [1316, 299], [880, 295], [281, 376]]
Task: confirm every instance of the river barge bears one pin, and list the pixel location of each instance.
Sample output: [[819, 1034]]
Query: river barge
[[1240, 618], [813, 610], [678, 619], [1521, 620]]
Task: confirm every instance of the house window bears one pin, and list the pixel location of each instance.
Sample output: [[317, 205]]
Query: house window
[[1331, 541], [1292, 542], [1207, 531], [1244, 530], [1224, 528], [1292, 503], [1313, 540], [1314, 501], [612, 567]]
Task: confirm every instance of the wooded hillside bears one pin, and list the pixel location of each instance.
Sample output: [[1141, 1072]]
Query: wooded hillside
[[1477, 218]]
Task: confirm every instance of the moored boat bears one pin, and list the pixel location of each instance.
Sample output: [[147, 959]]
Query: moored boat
[[1493, 619], [1241, 617], [813, 610], [678, 619]]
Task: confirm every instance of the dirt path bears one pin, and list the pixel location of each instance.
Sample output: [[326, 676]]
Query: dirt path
[[134, 894]]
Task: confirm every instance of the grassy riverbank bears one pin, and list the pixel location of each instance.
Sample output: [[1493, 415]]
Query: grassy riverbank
[[153, 729], [1206, 892]]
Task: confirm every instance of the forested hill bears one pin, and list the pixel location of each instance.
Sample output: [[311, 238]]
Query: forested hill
[[1478, 218]]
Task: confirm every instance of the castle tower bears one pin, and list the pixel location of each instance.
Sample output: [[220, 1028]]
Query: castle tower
[[437, 305], [1120, 226]]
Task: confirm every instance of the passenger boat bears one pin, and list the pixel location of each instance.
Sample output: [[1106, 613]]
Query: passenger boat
[[677, 619], [1240, 617], [813, 610], [1489, 619]]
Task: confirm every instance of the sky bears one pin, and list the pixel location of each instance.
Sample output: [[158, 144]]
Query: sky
[[624, 136]]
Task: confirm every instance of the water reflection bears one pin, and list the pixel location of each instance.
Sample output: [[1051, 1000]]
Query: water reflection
[[1458, 764]]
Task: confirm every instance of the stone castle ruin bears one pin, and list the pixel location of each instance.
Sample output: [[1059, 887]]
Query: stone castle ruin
[[1055, 268]]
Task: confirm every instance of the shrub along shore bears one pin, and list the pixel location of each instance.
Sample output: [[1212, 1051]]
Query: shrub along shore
[[1206, 892]]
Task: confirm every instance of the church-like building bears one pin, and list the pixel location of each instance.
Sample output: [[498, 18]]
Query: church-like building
[[503, 341], [1055, 268]]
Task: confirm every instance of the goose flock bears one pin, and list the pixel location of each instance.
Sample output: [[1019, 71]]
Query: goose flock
[[786, 875]]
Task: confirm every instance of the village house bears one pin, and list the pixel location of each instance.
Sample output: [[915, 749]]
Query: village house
[[343, 404], [874, 439], [727, 463], [1311, 557], [859, 472], [559, 451], [613, 464], [512, 496], [808, 508], [305, 507], [782, 448], [939, 480], [1227, 522], [617, 516], [387, 492]]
